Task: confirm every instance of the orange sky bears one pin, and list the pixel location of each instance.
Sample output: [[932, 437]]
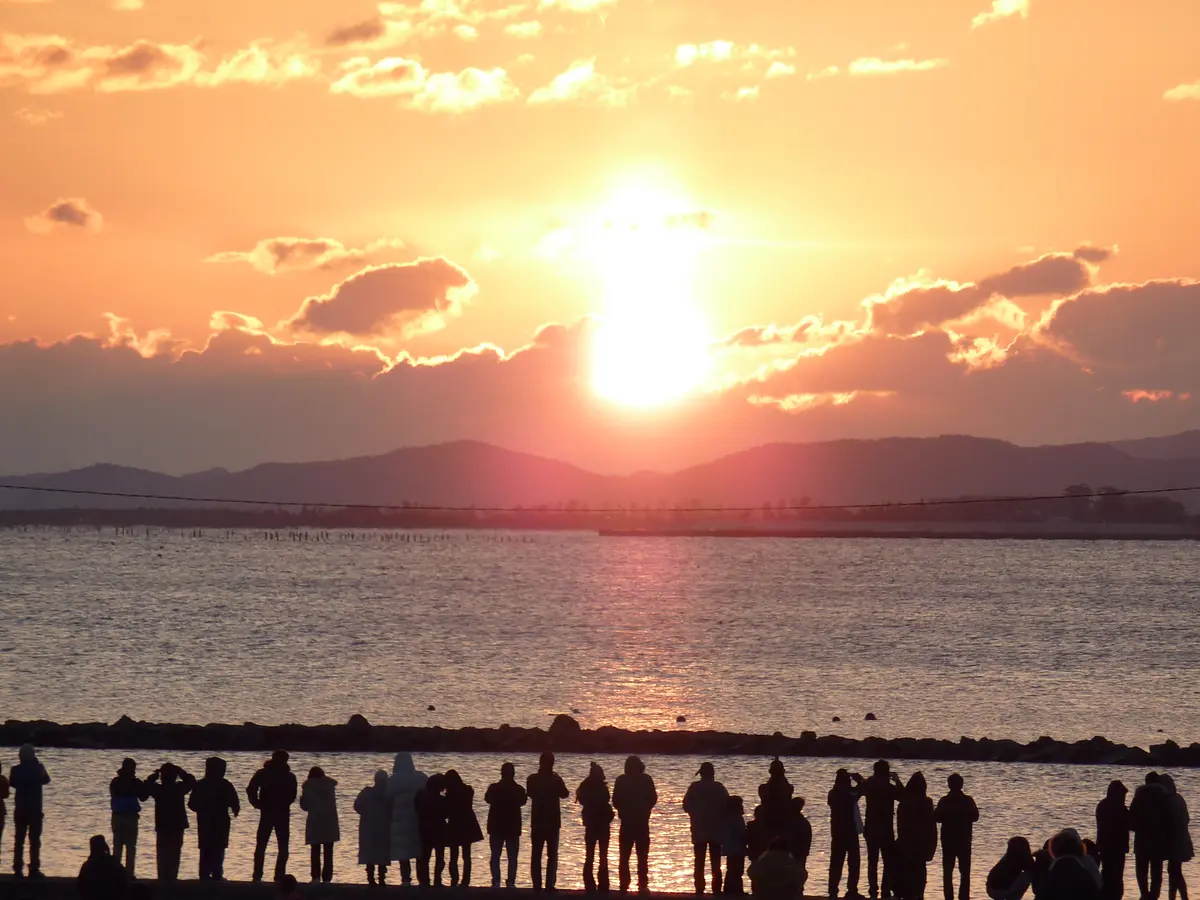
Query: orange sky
[[424, 178]]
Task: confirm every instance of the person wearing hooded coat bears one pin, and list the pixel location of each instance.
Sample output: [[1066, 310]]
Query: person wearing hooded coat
[[374, 808], [1112, 838], [1150, 819], [101, 877], [402, 789], [775, 801], [505, 799], [1071, 875], [634, 798], [705, 803], [597, 813], [546, 789], [126, 794], [27, 778], [318, 798], [214, 799], [1180, 848], [916, 839], [169, 786], [462, 826]]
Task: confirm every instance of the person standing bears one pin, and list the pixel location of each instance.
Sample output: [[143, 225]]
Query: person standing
[[1112, 839], [545, 789], [272, 791], [634, 797], [734, 845], [844, 828], [462, 826], [169, 785], [799, 839], [403, 787], [126, 794], [957, 814], [27, 778], [374, 808], [775, 802], [505, 799], [430, 804], [214, 799], [705, 803], [318, 798], [1150, 819], [597, 813], [916, 840], [881, 790], [1180, 848]]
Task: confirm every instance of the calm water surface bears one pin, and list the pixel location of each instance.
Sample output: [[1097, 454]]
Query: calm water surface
[[1033, 800], [938, 638]]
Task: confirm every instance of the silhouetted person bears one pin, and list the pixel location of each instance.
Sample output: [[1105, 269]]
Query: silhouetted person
[[272, 791], [126, 793], [101, 876], [634, 797], [169, 785], [430, 805], [27, 778], [214, 800], [705, 803], [1180, 848], [1112, 837], [374, 808], [957, 814], [843, 832], [1011, 877], [404, 785], [776, 875], [462, 826], [1042, 861], [1071, 875], [916, 840], [597, 813], [758, 839], [4, 791], [735, 845], [505, 799], [799, 838], [881, 791], [545, 789], [1150, 819], [775, 798], [318, 798]]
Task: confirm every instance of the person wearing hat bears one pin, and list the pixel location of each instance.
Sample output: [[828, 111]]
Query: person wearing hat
[[1112, 839], [706, 802]]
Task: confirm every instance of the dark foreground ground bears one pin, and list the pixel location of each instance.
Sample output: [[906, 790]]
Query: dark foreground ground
[[64, 889]]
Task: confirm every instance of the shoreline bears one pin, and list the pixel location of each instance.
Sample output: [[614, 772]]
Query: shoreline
[[566, 736]]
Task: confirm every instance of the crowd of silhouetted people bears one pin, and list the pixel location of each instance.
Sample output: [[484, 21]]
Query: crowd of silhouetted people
[[425, 824]]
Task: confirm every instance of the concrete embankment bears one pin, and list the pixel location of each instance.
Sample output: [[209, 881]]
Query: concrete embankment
[[566, 736]]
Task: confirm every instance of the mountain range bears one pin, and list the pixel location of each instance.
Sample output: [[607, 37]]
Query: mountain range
[[468, 473]]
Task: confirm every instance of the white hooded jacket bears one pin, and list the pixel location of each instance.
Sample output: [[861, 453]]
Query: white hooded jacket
[[402, 789]]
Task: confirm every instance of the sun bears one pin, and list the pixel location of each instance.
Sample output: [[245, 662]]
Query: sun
[[652, 346]]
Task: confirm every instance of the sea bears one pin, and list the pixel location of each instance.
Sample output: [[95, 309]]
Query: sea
[[935, 638]]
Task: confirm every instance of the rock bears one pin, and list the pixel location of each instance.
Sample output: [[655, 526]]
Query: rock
[[431, 708], [837, 718], [869, 717], [358, 722], [679, 720], [564, 726]]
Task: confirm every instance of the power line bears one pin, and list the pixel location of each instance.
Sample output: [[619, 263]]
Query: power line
[[585, 510]]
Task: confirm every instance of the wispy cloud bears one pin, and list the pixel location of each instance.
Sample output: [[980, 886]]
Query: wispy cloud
[[874, 66], [1002, 9], [1183, 92], [69, 212], [581, 82]]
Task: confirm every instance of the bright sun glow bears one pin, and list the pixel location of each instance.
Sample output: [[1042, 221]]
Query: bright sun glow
[[652, 344]]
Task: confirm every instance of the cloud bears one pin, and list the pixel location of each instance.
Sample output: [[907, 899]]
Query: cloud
[[287, 254], [827, 72], [875, 66], [382, 300], [581, 82], [35, 118], [1002, 9], [529, 29], [417, 88], [128, 5], [716, 52], [577, 6], [367, 32], [780, 69], [743, 94], [1183, 92], [71, 212]]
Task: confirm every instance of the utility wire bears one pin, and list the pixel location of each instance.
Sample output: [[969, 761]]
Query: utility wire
[[227, 501]]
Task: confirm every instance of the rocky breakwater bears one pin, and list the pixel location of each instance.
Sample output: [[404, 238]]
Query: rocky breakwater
[[566, 736]]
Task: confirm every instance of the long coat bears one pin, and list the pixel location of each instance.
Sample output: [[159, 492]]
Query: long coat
[[213, 798], [319, 799], [374, 808], [403, 787]]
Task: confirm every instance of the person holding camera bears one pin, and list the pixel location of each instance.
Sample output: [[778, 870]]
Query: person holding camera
[[882, 790], [169, 786]]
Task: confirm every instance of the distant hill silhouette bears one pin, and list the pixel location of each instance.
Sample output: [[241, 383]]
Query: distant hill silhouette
[[467, 473], [1175, 446]]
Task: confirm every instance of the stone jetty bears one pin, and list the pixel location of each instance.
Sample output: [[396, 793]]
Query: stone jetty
[[566, 736]]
